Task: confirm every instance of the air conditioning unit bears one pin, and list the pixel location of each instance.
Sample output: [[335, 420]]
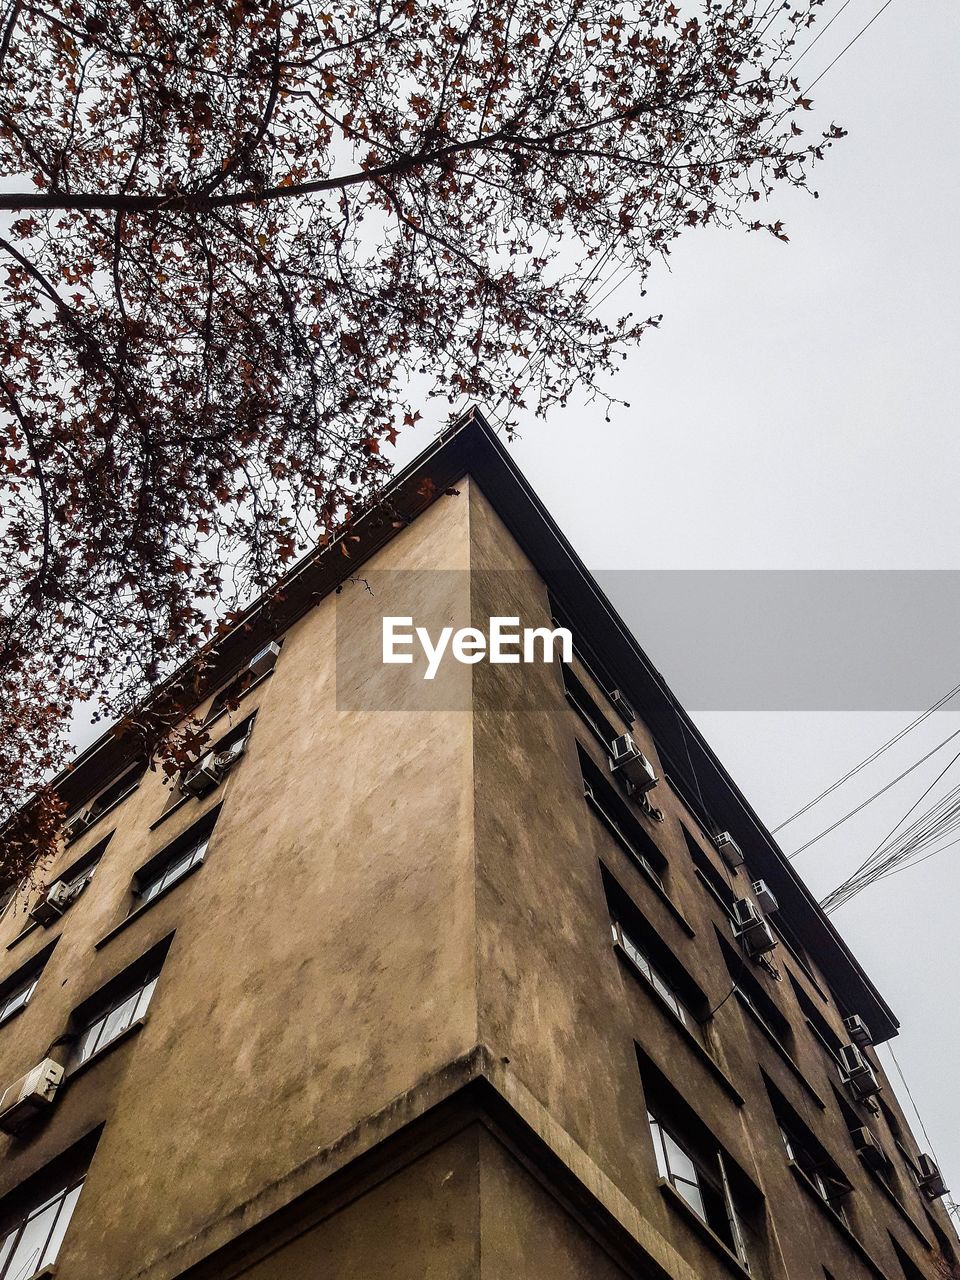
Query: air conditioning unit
[[751, 928], [210, 770], [203, 777], [629, 761], [30, 1094], [868, 1148], [858, 1031], [264, 659], [729, 850], [55, 901], [930, 1180], [75, 826], [764, 897], [857, 1073]]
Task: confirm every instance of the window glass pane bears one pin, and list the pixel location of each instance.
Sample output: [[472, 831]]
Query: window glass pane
[[658, 1147], [118, 1019], [25, 1259], [88, 1040], [6, 1246], [681, 1166], [60, 1230], [143, 1000], [691, 1193]]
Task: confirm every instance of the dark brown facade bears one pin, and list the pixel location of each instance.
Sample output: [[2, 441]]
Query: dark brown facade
[[426, 992]]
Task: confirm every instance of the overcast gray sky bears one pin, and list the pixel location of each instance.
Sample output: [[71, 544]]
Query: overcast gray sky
[[797, 410]]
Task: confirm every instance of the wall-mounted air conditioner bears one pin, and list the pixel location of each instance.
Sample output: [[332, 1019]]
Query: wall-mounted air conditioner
[[729, 850], [857, 1073], [29, 1095], [930, 1180], [764, 897], [751, 928], [858, 1031], [868, 1148], [628, 761], [210, 770], [264, 659], [55, 901]]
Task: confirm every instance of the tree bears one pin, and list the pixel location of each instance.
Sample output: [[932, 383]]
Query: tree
[[242, 240]]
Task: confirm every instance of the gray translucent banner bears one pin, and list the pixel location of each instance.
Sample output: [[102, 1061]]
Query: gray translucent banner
[[733, 640]]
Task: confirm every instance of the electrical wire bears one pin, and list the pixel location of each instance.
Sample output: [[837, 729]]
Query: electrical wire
[[829, 65], [939, 820], [950, 1204], [869, 759], [870, 799]]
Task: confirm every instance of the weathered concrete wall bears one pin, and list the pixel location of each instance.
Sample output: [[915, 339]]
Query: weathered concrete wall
[[323, 960]]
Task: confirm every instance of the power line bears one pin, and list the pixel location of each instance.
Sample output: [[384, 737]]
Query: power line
[[946, 813], [951, 1205], [870, 799], [822, 32], [886, 5], [869, 760]]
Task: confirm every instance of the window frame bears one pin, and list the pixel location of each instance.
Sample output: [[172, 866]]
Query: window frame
[[655, 978], [191, 853], [15, 1234], [729, 1231], [134, 986]]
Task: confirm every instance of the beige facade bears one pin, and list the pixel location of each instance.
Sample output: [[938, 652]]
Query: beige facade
[[391, 1035]]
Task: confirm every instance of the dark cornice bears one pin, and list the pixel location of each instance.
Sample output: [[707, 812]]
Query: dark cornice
[[471, 448]]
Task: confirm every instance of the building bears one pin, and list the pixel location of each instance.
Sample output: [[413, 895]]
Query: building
[[432, 992]]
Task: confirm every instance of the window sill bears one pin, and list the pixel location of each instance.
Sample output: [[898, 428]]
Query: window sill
[[896, 1202], [124, 1035], [49, 1270], [783, 1053], [144, 907], [710, 1063], [676, 1201], [835, 1218], [24, 933], [168, 813]]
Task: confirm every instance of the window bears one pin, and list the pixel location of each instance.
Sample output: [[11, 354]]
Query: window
[[594, 668], [587, 709], [230, 747], [15, 993], [617, 816], [650, 958], [702, 1172], [173, 863], [704, 1188], [714, 880], [119, 1006], [751, 993], [117, 791], [819, 1171], [816, 1021], [13, 1001], [648, 970], [34, 1242], [110, 1024]]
